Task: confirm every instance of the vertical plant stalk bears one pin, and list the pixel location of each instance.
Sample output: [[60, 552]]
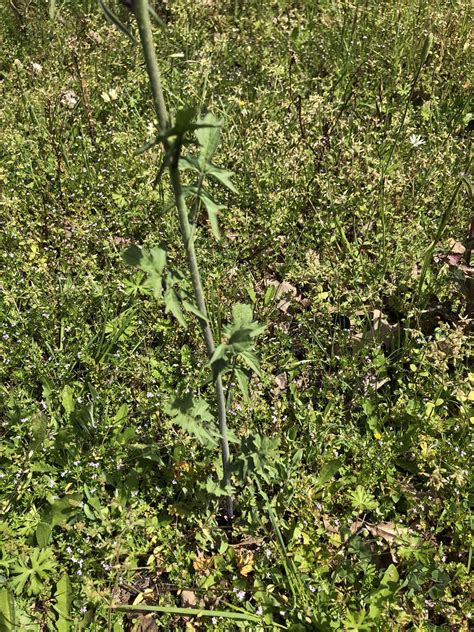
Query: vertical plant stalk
[[469, 279], [427, 45], [442, 223], [84, 91], [52, 9], [146, 37]]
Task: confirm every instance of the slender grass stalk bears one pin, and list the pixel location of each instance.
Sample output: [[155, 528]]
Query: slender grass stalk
[[427, 45], [146, 37], [191, 612], [52, 9], [442, 223]]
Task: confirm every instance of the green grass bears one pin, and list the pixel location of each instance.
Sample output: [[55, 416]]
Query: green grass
[[351, 471]]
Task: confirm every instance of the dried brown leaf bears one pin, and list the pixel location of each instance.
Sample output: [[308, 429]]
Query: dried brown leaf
[[388, 531], [188, 598]]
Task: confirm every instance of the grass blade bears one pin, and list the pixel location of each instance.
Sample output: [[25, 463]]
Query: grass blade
[[193, 612]]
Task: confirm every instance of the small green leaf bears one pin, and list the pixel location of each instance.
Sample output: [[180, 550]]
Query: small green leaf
[[88, 511], [328, 470], [121, 414], [63, 596], [172, 305], [252, 294], [61, 509], [243, 382], [194, 310], [157, 258], [189, 163], [241, 314], [240, 341], [182, 121], [216, 489], [155, 283], [67, 400], [223, 175], [269, 295], [297, 457], [42, 534], [133, 256], [362, 499], [7, 611], [38, 431], [252, 361], [212, 209], [208, 138], [194, 417], [390, 576]]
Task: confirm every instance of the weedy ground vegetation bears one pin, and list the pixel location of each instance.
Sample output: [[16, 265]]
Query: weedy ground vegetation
[[347, 233]]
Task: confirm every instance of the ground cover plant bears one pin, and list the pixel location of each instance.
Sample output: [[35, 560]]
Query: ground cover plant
[[345, 231]]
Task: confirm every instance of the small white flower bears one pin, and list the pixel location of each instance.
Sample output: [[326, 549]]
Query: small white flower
[[37, 69], [416, 141], [110, 95], [151, 129], [69, 99], [259, 610], [241, 594]]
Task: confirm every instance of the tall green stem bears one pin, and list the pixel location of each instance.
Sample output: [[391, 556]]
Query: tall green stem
[[146, 38]]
